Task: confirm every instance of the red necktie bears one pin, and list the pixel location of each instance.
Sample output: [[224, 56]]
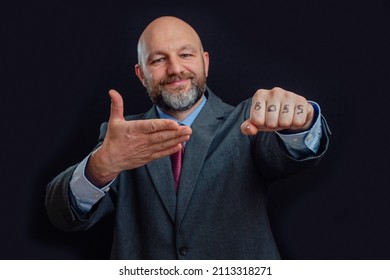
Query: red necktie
[[176, 160]]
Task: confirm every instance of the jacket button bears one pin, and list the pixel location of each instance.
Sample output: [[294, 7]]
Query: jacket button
[[183, 251]]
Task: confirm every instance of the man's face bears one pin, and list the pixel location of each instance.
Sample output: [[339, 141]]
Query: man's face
[[173, 68]]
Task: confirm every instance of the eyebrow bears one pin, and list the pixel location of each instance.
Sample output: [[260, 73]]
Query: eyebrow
[[187, 47], [159, 52]]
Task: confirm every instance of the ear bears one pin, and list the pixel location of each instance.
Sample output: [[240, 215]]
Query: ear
[[206, 62], [140, 73]]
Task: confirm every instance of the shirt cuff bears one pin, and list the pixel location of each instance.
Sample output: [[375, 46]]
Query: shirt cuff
[[305, 143], [84, 192]]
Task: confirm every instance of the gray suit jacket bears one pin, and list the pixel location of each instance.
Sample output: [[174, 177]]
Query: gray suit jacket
[[220, 209]]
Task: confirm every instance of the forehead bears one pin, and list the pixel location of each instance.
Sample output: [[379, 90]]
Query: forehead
[[166, 45], [167, 38]]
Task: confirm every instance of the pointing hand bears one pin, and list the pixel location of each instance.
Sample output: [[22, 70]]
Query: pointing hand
[[131, 144]]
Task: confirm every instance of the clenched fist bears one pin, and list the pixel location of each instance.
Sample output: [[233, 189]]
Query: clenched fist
[[278, 109]]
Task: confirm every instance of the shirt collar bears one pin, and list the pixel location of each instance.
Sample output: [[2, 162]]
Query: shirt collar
[[191, 117]]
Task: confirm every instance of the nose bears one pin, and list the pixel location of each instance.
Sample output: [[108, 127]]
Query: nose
[[174, 66]]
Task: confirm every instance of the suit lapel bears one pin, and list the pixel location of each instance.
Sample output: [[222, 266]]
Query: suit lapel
[[203, 132], [160, 171]]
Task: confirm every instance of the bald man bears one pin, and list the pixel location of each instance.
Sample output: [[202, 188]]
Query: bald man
[[212, 205]]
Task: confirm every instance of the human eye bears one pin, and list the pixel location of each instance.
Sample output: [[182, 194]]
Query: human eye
[[186, 55], [157, 60]]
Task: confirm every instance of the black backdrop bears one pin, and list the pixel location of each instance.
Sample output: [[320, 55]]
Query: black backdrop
[[60, 59]]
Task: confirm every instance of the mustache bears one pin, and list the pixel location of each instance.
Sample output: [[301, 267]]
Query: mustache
[[174, 78]]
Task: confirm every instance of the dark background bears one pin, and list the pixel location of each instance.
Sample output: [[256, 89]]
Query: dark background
[[59, 60]]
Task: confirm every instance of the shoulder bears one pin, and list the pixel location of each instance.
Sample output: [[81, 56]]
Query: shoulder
[[216, 106]]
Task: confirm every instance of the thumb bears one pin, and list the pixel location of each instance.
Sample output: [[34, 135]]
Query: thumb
[[116, 105], [247, 128]]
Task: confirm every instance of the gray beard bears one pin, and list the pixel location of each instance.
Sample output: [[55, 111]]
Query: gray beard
[[171, 102], [178, 101]]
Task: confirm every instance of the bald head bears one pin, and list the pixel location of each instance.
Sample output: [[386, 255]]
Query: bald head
[[166, 32]]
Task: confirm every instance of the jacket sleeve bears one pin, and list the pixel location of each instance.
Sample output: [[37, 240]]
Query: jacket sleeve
[[272, 157], [60, 206]]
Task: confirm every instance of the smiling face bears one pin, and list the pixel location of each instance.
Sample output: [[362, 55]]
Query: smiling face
[[172, 64]]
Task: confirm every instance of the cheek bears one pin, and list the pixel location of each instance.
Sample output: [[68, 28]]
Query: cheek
[[148, 80], [201, 70], [152, 82], [156, 76]]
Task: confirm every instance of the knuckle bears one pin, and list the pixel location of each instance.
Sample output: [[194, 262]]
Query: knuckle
[[277, 89], [298, 122], [271, 122], [259, 93], [152, 127], [259, 122], [129, 132], [162, 137], [285, 123]]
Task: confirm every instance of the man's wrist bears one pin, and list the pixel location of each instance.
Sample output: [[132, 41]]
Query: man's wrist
[[95, 171]]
